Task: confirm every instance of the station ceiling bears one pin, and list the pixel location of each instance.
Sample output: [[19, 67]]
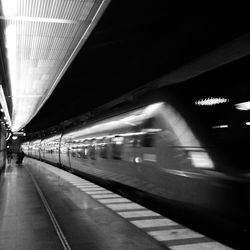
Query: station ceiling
[[41, 38], [137, 42]]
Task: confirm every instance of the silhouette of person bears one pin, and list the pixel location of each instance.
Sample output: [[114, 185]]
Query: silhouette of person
[[20, 156]]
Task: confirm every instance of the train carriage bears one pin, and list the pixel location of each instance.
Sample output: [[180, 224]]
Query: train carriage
[[154, 148]]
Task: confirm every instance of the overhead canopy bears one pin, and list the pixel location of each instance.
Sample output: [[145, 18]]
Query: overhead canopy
[[41, 38]]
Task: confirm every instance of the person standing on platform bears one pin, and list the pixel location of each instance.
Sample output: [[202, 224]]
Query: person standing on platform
[[9, 155], [20, 156]]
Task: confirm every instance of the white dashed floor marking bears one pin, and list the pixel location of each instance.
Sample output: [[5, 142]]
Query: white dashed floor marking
[[124, 206], [135, 214], [174, 234], [116, 200], [159, 228], [201, 246], [102, 196], [153, 223], [85, 186], [92, 188], [98, 192]]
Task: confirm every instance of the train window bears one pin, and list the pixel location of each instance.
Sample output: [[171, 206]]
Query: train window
[[85, 152], [117, 147], [92, 150], [130, 141], [148, 140], [137, 141], [148, 123], [73, 153], [104, 148], [75, 149], [85, 149], [78, 152]]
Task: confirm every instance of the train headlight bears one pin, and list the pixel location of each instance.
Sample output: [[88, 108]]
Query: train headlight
[[138, 159], [201, 159]]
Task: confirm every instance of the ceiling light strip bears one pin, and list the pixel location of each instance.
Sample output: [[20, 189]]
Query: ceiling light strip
[[4, 105], [36, 19], [209, 101], [40, 48], [92, 24], [243, 105]]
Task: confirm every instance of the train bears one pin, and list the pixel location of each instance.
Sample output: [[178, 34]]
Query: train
[[157, 146]]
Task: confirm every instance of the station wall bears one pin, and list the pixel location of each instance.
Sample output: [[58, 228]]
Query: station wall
[[2, 147]]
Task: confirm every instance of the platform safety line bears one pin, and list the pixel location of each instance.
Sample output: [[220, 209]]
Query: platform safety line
[[103, 196], [114, 200], [52, 217], [138, 214], [159, 228]]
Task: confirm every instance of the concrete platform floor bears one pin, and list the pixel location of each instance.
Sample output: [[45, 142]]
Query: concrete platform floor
[[24, 223], [86, 223]]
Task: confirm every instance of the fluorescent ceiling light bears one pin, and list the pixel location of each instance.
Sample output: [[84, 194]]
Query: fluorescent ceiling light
[[221, 126], [36, 19], [211, 101], [243, 106], [4, 106], [42, 37]]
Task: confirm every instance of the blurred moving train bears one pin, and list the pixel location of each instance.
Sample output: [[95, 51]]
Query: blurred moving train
[[159, 147]]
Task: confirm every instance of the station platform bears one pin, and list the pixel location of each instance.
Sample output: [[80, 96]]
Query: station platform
[[24, 223], [43, 207]]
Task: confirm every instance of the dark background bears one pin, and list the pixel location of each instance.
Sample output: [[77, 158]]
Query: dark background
[[136, 42]]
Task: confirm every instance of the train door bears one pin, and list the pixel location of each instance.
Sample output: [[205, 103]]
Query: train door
[[65, 152], [42, 150], [145, 143], [76, 154]]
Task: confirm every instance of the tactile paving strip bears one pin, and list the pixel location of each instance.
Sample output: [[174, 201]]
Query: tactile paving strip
[[175, 236]]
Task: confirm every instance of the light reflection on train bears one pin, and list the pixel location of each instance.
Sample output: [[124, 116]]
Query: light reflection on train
[[151, 148]]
